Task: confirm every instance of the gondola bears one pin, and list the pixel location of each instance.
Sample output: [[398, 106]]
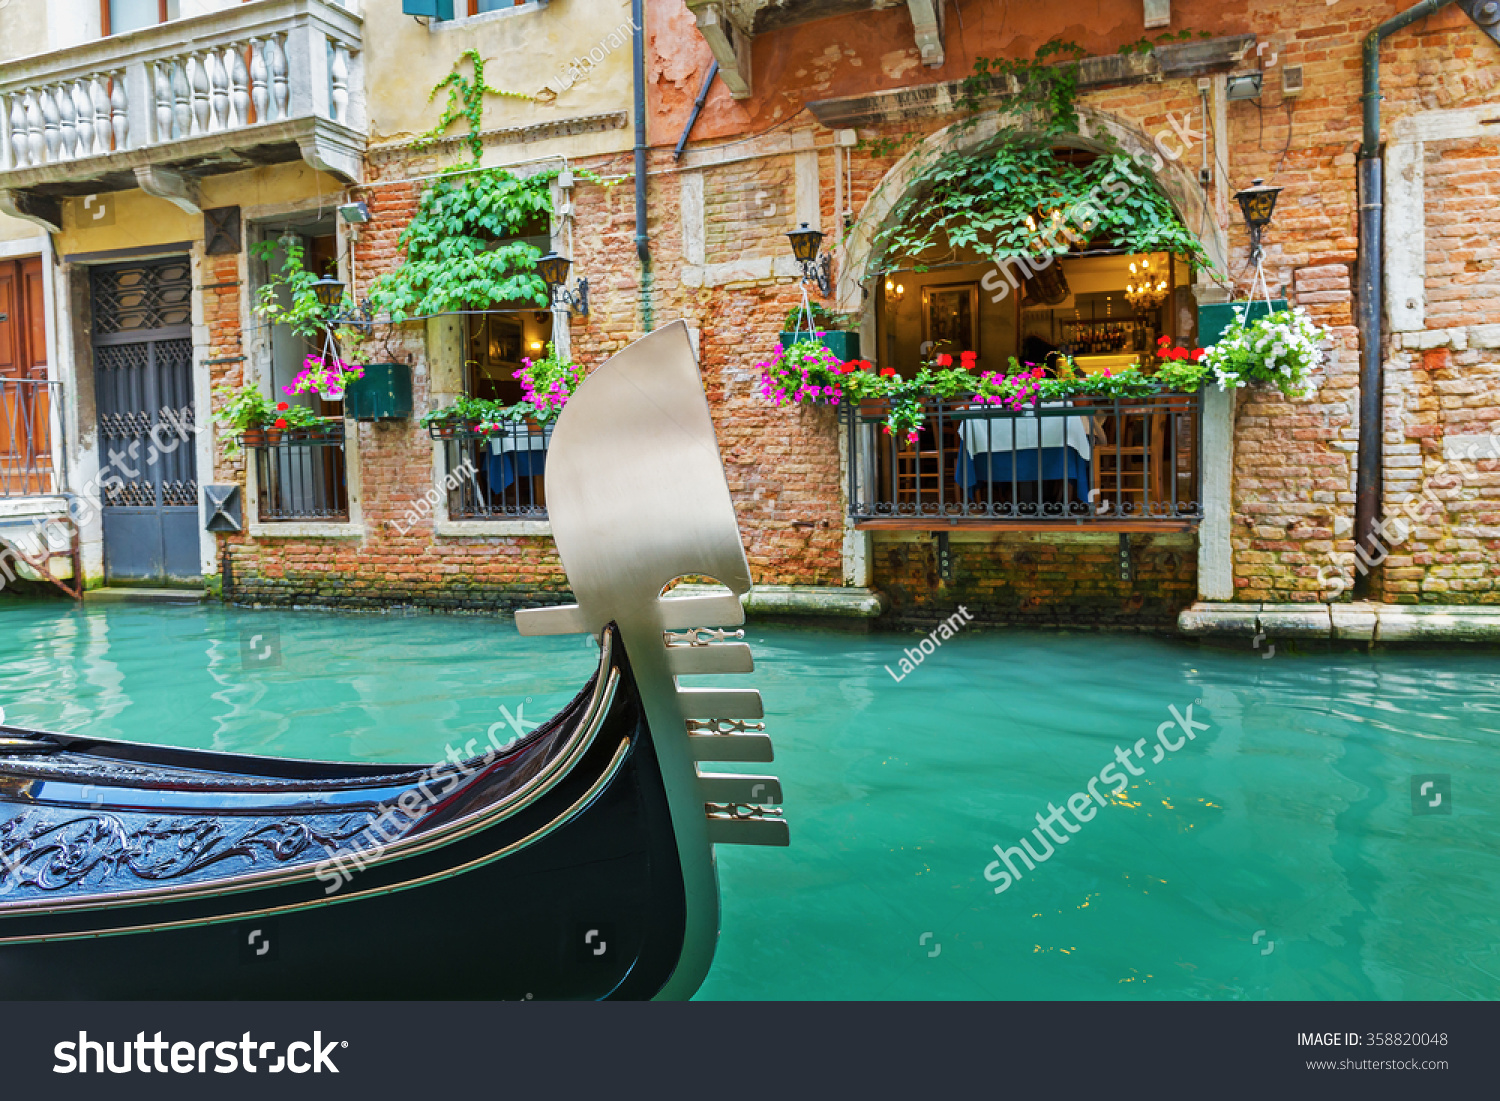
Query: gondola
[[574, 863]]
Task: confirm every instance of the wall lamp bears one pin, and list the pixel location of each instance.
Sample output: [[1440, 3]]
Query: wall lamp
[[1244, 86], [1257, 203], [554, 272], [815, 269]]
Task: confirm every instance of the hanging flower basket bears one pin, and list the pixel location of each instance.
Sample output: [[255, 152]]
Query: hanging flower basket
[[843, 345]]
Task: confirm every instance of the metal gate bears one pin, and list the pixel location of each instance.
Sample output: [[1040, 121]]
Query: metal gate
[[143, 386]]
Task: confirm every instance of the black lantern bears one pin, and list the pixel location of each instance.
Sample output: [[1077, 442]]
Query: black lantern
[[330, 292], [1257, 203], [805, 243], [553, 269], [554, 272]]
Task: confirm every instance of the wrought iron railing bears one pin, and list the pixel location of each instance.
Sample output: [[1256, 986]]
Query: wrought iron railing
[[26, 466], [1105, 462], [498, 476], [303, 477]]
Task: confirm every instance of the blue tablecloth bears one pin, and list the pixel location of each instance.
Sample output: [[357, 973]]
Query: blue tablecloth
[[1003, 467], [506, 466]]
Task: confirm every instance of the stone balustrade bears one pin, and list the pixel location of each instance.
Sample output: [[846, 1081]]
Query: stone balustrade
[[269, 71]]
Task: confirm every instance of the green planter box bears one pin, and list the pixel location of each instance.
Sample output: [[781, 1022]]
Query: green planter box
[[1214, 320], [843, 345], [383, 394]]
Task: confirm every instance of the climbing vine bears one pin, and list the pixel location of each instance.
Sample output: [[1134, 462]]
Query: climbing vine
[[453, 260], [466, 101], [1049, 88], [462, 251], [998, 201]]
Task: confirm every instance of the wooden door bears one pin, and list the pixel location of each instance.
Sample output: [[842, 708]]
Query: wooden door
[[25, 409]]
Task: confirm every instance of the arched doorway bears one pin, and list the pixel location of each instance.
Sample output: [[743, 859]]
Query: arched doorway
[[1123, 465]]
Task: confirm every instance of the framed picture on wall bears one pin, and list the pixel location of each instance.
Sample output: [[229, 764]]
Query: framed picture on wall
[[950, 317]]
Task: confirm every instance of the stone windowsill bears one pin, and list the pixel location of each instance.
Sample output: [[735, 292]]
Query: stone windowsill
[[492, 527]]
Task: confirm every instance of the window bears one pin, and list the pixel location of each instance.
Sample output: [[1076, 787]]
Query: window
[[479, 7], [500, 476], [123, 16], [302, 474]]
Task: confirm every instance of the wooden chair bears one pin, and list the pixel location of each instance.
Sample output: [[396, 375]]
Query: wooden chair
[[926, 469], [1129, 462]]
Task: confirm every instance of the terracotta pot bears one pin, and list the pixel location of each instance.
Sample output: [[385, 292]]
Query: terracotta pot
[[875, 407], [253, 437]]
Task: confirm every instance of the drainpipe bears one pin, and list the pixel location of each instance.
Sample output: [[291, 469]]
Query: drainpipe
[[1372, 293], [713, 71], [642, 234]]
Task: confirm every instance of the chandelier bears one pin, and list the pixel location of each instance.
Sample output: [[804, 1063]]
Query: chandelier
[[1147, 286]]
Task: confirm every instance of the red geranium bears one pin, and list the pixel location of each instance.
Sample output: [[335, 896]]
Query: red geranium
[[968, 359], [1197, 354], [1162, 342], [944, 360], [1038, 372], [280, 422], [282, 407], [887, 372]]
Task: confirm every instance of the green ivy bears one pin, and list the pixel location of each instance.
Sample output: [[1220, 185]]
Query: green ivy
[[1049, 88], [1145, 45], [981, 201], [452, 261], [465, 100]]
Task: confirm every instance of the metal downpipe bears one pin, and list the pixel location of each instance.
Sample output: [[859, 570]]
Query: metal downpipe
[[642, 232], [1370, 318]]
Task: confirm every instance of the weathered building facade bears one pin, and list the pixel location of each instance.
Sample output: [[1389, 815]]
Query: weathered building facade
[[830, 120]]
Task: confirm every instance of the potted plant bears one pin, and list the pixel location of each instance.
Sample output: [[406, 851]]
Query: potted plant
[[246, 412], [470, 417], [256, 421], [828, 330], [546, 386]]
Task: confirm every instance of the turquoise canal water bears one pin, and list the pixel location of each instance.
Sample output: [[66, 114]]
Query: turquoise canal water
[[1275, 855]]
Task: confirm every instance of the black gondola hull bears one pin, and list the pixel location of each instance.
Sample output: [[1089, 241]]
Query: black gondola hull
[[578, 895]]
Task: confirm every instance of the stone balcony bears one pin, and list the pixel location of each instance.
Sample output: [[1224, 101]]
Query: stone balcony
[[262, 83]]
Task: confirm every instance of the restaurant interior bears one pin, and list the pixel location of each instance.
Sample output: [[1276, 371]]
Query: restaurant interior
[[1105, 311]]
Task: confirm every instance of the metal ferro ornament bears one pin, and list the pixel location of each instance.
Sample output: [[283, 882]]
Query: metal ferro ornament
[[637, 498]]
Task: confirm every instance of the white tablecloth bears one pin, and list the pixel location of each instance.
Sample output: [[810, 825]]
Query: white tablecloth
[[986, 434]]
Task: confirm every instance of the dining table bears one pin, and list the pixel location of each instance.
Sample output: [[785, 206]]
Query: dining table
[[1027, 447]]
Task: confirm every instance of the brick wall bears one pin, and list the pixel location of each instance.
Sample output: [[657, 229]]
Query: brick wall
[[1293, 476], [1040, 581]]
